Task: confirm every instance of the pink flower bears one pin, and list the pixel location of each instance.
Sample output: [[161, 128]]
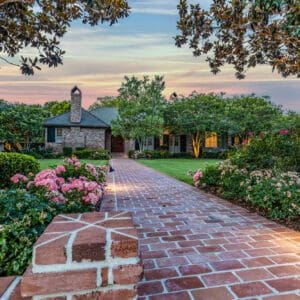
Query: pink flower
[[250, 133], [18, 178], [60, 169], [283, 131], [92, 198], [197, 175]]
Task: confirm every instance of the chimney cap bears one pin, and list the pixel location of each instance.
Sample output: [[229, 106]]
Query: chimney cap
[[75, 91]]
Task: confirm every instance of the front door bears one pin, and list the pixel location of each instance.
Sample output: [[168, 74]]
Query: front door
[[174, 146], [117, 144]]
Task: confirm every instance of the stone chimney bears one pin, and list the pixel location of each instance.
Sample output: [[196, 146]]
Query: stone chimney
[[75, 105]]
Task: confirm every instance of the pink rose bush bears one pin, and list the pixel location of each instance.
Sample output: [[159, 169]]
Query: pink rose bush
[[197, 176], [71, 181]]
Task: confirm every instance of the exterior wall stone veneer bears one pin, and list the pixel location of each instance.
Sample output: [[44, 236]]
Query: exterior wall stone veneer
[[85, 256]]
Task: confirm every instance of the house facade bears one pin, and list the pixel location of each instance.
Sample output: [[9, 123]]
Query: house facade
[[80, 128]]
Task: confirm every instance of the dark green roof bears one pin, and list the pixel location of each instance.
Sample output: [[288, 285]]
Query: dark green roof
[[107, 114], [87, 120]]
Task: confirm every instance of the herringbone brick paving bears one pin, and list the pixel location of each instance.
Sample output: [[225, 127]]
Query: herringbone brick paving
[[197, 246]]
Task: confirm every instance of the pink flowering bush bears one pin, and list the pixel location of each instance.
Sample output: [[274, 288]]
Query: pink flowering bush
[[197, 176], [71, 182]]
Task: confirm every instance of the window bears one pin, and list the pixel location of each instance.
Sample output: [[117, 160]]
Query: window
[[58, 135], [211, 140], [236, 140]]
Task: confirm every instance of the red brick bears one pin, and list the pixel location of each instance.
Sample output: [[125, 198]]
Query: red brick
[[123, 246], [206, 249], [150, 288], [52, 252], [218, 293], [227, 265], [257, 262], [92, 217], [240, 246], [250, 289], [47, 283], [127, 274], [190, 243], [194, 269], [218, 241], [173, 238], [183, 283], [160, 273], [231, 255], [281, 271], [254, 274], [117, 223], [109, 295], [283, 259], [148, 264], [5, 283], [285, 284], [172, 261], [259, 252], [154, 254], [155, 234], [181, 251], [89, 245], [219, 279], [172, 296]]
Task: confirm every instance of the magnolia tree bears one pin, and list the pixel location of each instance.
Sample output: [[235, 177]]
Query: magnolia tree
[[243, 33], [140, 109]]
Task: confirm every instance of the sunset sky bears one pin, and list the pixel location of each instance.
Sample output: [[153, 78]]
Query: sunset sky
[[98, 58]]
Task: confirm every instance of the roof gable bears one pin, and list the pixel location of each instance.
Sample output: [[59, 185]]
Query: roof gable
[[107, 114]]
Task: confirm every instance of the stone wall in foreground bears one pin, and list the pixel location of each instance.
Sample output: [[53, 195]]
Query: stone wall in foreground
[[83, 256]]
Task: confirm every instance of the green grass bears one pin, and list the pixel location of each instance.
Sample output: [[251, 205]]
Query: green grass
[[47, 163], [177, 167]]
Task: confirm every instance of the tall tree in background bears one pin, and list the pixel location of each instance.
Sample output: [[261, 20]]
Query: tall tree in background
[[244, 33], [106, 101], [55, 108], [41, 25], [21, 123], [196, 115], [140, 109]]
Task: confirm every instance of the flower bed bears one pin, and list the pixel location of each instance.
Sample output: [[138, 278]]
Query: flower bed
[[27, 208]]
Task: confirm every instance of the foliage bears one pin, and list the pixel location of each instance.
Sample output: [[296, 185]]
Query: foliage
[[56, 108], [23, 218], [22, 124], [237, 32], [41, 25], [101, 154], [12, 163], [196, 115], [67, 151], [216, 153], [107, 101], [42, 154], [140, 109], [273, 150], [276, 194]]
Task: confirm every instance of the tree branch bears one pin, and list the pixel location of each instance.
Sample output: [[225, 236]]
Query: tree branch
[[9, 62]]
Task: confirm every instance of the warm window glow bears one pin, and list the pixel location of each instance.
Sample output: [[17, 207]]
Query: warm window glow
[[236, 140], [59, 132], [211, 140]]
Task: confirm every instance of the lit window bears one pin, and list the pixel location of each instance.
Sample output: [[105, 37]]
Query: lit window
[[211, 140], [59, 132], [236, 140]]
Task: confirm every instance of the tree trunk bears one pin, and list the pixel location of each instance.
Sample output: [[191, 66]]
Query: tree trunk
[[196, 144]]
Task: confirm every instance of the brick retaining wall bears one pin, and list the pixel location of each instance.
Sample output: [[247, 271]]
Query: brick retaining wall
[[83, 256]]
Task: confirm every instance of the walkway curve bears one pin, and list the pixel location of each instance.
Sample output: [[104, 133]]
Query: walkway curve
[[196, 246]]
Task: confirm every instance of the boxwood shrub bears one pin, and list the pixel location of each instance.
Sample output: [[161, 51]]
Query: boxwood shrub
[[12, 163]]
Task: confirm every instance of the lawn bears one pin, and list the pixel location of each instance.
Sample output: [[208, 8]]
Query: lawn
[[177, 167], [47, 163]]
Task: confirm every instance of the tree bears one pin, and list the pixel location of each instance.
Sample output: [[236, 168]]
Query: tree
[[55, 108], [41, 25], [21, 123], [244, 33], [251, 114], [140, 109], [107, 101], [196, 115]]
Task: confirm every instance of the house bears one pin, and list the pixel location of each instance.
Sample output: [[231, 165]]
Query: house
[[80, 128]]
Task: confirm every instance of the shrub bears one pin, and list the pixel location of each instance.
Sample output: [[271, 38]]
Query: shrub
[[24, 217], [131, 153], [101, 154], [215, 153], [12, 163], [41, 154], [67, 151], [280, 151], [211, 176]]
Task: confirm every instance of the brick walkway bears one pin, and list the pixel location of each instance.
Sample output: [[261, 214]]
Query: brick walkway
[[196, 246]]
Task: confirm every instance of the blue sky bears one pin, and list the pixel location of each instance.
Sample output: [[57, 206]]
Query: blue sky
[[98, 58]]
